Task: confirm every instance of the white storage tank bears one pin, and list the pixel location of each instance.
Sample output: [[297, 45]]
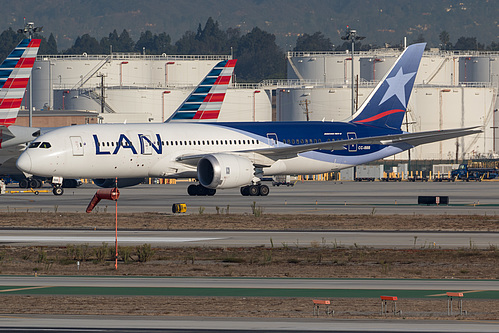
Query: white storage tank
[[474, 69], [320, 67], [119, 70], [374, 68]]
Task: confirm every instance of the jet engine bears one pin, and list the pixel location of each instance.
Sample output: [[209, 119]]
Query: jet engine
[[224, 171], [122, 182]]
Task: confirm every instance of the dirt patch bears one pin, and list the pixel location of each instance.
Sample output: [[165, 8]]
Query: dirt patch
[[297, 262], [242, 307], [144, 221], [315, 261]]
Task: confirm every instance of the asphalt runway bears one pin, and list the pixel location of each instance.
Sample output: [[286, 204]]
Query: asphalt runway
[[126, 324], [465, 198], [274, 283], [375, 239]]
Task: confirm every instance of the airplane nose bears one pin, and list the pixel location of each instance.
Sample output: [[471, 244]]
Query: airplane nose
[[24, 162]]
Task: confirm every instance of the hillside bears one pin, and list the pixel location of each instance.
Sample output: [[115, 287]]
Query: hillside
[[381, 21]]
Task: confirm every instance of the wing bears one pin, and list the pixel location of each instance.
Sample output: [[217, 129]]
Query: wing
[[264, 156]]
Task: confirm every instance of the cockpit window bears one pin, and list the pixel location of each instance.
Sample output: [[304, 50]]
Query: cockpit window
[[45, 145], [34, 144]]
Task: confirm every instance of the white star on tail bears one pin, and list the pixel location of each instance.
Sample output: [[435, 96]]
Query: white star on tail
[[396, 86]]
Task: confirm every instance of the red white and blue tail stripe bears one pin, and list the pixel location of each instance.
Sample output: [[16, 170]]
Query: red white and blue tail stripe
[[15, 72], [205, 102]]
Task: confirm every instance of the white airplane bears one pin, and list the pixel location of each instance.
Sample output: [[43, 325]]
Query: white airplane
[[15, 72], [239, 154]]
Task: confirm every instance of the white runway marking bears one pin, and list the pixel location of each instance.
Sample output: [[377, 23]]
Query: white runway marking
[[100, 239]]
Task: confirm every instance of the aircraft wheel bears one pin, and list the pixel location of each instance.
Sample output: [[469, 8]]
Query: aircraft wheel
[[245, 191], [23, 183], [253, 190], [34, 183], [264, 190], [211, 192], [192, 190], [58, 190], [201, 190]]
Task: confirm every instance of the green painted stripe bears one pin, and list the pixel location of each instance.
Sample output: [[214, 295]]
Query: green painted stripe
[[238, 292]]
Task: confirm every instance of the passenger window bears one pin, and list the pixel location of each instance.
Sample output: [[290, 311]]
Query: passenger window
[[34, 144]]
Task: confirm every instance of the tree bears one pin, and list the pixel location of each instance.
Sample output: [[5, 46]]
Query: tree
[[8, 41], [315, 42], [154, 44], [468, 43], [51, 46], [85, 44], [259, 57], [445, 40], [208, 40]]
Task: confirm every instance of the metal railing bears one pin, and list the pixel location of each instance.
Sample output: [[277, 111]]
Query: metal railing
[[131, 56]]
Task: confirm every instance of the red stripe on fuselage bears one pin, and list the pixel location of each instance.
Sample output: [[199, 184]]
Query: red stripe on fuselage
[[25, 63], [10, 103], [7, 122], [34, 43], [210, 114], [378, 116], [214, 98], [222, 80], [16, 83], [231, 63]]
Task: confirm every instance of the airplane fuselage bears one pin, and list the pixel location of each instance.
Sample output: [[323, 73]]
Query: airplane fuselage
[[154, 150]]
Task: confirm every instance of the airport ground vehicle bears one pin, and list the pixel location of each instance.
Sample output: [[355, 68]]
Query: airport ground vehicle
[[469, 172]]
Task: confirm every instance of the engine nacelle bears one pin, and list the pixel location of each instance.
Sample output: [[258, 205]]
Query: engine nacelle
[[224, 171], [122, 182]]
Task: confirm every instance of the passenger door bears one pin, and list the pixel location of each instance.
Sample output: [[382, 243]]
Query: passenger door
[[352, 148], [77, 145]]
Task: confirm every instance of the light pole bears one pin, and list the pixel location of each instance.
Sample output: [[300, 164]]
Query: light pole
[[30, 29], [121, 71], [351, 35], [166, 71], [163, 105], [254, 104]]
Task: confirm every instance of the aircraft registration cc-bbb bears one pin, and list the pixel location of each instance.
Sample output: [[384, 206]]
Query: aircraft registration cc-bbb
[[223, 155]]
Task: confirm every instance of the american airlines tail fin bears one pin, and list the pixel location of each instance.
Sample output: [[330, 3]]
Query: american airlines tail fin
[[15, 72], [385, 107], [205, 102]]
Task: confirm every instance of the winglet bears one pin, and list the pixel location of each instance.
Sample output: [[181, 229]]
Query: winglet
[[15, 72], [387, 103], [205, 102]]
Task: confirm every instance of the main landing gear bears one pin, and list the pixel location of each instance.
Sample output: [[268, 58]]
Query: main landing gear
[[200, 190], [255, 190], [30, 183]]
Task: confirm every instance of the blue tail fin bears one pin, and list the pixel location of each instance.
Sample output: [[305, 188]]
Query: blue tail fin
[[387, 103], [205, 101]]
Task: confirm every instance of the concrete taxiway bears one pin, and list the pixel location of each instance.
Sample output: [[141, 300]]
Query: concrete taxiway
[[116, 324], [375, 239], [273, 283], [305, 197]]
